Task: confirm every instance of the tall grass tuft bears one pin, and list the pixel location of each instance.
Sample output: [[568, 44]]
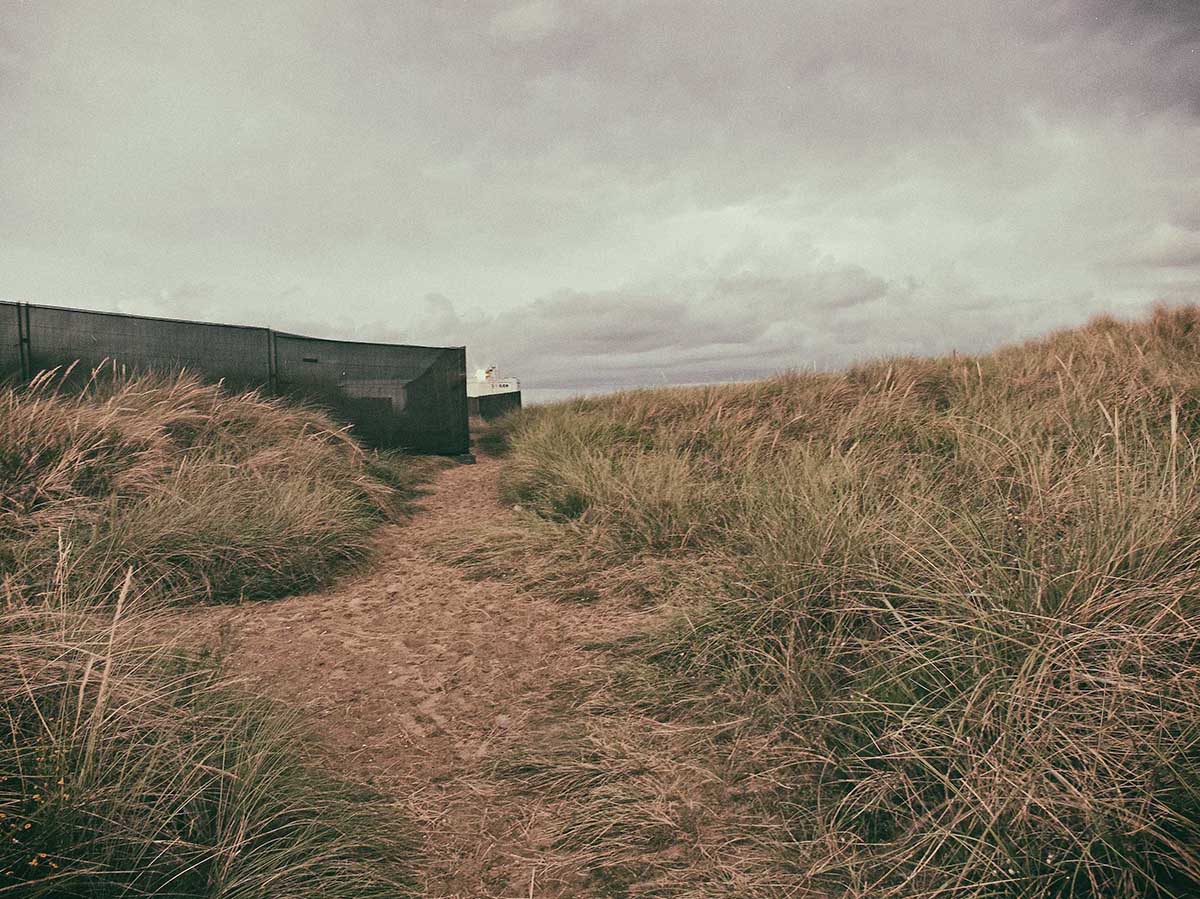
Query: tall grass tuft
[[208, 495], [128, 767], [960, 595]]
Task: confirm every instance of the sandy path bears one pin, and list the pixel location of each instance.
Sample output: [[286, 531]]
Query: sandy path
[[418, 678]]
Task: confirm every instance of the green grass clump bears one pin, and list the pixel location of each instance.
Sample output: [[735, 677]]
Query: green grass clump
[[961, 594]]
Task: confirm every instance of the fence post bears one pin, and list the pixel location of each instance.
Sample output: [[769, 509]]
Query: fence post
[[272, 362], [24, 348]]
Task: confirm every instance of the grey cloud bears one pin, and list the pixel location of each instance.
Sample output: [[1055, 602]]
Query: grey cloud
[[1182, 13], [832, 287], [732, 328], [662, 189], [529, 21], [193, 299], [1167, 246], [305, 124]]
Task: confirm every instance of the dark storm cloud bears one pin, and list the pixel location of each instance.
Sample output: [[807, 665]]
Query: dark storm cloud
[[1184, 14], [662, 188], [1172, 29]]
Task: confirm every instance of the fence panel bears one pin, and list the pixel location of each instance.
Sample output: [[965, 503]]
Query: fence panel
[[396, 396], [493, 405], [10, 341], [236, 354]]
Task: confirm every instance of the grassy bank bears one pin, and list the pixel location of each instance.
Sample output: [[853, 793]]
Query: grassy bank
[[939, 630], [208, 495], [128, 767]]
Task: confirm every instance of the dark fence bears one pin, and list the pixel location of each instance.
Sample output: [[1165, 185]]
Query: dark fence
[[394, 396], [493, 405], [12, 346], [412, 396]]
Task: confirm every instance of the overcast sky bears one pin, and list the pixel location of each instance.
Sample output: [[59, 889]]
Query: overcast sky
[[606, 193]]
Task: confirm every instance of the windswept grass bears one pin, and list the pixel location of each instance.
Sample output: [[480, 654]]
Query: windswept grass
[[128, 768], [952, 604], [208, 495]]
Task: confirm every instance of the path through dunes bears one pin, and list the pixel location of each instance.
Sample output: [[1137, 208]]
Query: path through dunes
[[417, 678]]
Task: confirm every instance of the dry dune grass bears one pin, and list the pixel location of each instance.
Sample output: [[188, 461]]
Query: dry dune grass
[[208, 494], [128, 768], [939, 632]]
